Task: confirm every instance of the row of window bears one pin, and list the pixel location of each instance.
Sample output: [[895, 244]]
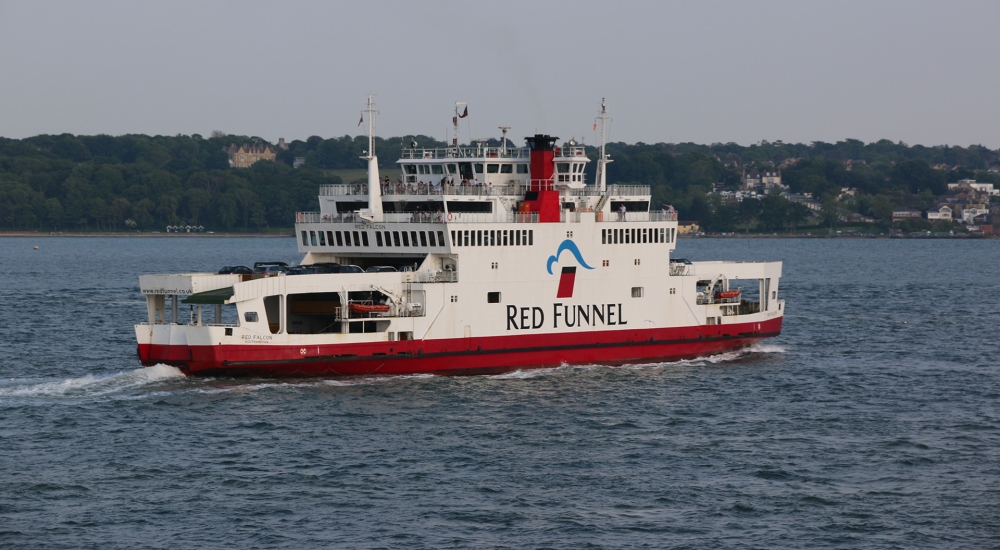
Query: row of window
[[413, 169], [630, 235], [498, 237], [382, 238]]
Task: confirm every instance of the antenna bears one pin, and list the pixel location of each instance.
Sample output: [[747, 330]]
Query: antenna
[[374, 210], [371, 126], [603, 159], [503, 146]]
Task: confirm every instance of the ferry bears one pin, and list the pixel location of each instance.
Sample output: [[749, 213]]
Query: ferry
[[479, 260]]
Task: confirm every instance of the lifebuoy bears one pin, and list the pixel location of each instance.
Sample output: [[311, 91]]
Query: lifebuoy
[[449, 216], [298, 216]]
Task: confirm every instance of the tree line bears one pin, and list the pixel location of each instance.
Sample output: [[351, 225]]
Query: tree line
[[884, 175], [113, 183]]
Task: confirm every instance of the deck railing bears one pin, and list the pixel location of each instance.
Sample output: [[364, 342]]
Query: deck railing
[[615, 190], [465, 153], [421, 217], [429, 189], [566, 216], [423, 189], [640, 217]]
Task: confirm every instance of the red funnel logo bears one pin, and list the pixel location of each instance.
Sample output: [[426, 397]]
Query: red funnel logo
[[566, 282]]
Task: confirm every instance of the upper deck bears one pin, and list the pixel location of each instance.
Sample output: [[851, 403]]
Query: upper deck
[[407, 191]]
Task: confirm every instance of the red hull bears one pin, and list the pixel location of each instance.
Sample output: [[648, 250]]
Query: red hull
[[462, 355]]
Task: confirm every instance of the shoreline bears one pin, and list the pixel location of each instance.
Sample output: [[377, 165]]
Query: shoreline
[[37, 234], [154, 235]]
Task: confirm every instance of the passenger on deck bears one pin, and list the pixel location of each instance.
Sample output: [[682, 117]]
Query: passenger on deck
[[621, 213]]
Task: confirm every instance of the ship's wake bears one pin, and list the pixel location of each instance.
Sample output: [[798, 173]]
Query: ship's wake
[[721, 358], [87, 386]]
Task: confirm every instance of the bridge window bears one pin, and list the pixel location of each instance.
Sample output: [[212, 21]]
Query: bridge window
[[424, 169], [322, 239], [522, 168], [395, 238], [388, 238], [479, 168], [562, 167], [329, 237], [430, 236], [305, 239], [437, 169], [506, 168], [410, 168], [364, 237], [406, 239], [492, 168], [441, 238], [413, 237], [378, 238]]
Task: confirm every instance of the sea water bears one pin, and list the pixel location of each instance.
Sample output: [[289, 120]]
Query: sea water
[[872, 421]]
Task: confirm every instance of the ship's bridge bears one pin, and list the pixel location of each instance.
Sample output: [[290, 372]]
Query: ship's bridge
[[485, 165]]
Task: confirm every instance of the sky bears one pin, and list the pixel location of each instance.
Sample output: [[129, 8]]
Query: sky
[[693, 71]]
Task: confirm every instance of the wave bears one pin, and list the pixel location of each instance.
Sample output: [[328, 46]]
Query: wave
[[90, 385], [729, 356]]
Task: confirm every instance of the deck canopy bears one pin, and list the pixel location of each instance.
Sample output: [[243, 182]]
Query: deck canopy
[[216, 297]]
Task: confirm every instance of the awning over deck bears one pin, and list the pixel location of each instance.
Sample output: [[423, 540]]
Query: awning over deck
[[217, 296]]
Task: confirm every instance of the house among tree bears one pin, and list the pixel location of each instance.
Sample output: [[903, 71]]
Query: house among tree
[[980, 191], [766, 179], [243, 156], [942, 212], [687, 227], [905, 213]]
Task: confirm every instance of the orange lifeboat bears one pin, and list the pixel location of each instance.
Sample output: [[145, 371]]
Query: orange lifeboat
[[727, 294], [369, 308]]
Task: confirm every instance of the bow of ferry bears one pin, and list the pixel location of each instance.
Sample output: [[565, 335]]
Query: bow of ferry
[[487, 259]]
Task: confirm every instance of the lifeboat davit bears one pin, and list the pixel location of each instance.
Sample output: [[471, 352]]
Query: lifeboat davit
[[369, 308]]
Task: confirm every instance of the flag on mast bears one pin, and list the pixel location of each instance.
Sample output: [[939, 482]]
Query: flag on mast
[[465, 113], [362, 120], [595, 126]]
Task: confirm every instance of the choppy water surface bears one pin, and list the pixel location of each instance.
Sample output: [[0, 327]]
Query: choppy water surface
[[873, 421]]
